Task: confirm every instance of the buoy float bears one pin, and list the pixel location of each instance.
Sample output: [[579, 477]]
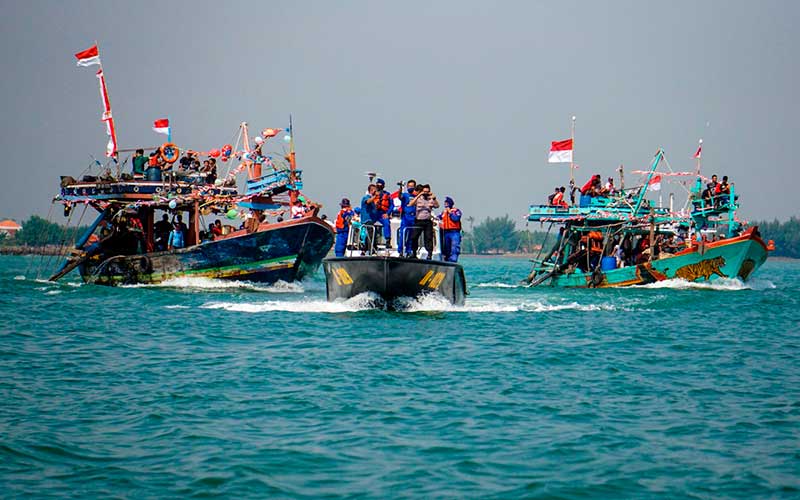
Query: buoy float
[[169, 152]]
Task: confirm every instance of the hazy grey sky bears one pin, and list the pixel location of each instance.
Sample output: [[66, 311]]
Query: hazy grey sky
[[464, 95]]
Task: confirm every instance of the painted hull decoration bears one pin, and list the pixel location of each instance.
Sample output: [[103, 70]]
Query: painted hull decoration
[[394, 277]]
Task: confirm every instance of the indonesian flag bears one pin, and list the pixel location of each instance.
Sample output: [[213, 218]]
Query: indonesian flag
[[699, 151], [161, 126], [655, 183], [560, 152], [89, 56]]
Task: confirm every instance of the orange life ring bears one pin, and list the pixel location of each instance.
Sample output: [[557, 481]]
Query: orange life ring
[[169, 152]]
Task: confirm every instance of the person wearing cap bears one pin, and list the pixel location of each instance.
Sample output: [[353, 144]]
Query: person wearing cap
[[343, 219], [450, 227], [424, 202], [383, 203], [367, 218]]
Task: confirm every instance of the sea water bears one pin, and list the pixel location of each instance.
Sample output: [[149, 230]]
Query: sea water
[[208, 388]]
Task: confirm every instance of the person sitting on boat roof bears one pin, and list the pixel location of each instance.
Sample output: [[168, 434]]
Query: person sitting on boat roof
[[210, 169], [609, 189], [407, 215], [710, 191], [558, 197], [343, 219], [161, 232], [451, 230], [383, 203], [139, 163], [187, 160], [588, 187], [552, 196], [425, 202]]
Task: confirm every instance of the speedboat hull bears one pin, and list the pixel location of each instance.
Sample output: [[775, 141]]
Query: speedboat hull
[[394, 277]]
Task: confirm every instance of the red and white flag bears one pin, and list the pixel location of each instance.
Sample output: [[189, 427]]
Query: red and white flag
[[89, 56], [111, 130], [161, 126], [560, 152], [655, 183], [699, 152]]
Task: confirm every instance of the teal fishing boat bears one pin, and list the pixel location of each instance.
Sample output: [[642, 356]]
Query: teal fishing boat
[[621, 238]]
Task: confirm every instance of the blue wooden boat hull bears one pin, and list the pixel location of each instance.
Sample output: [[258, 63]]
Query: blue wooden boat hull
[[286, 251], [737, 257]]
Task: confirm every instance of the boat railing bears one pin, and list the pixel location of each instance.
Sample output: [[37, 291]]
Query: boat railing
[[275, 182]]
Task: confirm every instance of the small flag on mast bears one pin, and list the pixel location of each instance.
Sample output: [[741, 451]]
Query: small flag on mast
[[699, 151], [560, 152], [89, 56], [161, 126], [655, 183]]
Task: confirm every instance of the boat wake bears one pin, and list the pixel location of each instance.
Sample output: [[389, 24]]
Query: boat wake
[[362, 302], [721, 284], [428, 303], [497, 284], [198, 283]]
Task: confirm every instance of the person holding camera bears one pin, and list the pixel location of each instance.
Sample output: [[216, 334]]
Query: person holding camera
[[424, 202], [407, 216]]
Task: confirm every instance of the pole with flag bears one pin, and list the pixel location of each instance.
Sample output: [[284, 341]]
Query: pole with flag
[[698, 155], [572, 157], [89, 57], [161, 126]]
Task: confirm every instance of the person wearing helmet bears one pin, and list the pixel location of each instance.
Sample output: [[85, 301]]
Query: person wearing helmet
[[343, 219]]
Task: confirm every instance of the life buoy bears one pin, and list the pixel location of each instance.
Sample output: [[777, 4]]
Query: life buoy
[[135, 189], [159, 189], [169, 152]]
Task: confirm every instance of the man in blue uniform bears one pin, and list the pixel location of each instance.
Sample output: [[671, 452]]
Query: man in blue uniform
[[368, 216], [407, 215], [450, 226], [343, 227]]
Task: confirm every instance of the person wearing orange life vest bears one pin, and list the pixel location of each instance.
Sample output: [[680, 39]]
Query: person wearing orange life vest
[[383, 204], [558, 198], [450, 227], [343, 227]]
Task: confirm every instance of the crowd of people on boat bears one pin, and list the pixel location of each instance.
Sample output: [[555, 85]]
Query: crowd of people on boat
[[415, 205], [189, 169], [594, 187], [716, 192]]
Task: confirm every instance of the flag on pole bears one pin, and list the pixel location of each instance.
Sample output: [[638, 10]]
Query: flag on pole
[[111, 148], [655, 183], [161, 126], [699, 152], [89, 56], [560, 152]]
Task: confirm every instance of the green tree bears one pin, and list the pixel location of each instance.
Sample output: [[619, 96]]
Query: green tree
[[786, 236], [37, 231]]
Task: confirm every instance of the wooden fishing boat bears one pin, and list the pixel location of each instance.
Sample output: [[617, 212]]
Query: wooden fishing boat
[[596, 237], [122, 245]]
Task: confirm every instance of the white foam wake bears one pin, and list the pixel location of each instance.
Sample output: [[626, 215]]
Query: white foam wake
[[362, 302], [200, 283], [721, 284], [497, 284]]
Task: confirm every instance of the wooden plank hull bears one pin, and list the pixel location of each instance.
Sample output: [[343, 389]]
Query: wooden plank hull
[[737, 257], [285, 251], [394, 277]]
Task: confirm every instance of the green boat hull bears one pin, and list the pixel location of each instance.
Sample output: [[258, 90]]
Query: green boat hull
[[737, 257]]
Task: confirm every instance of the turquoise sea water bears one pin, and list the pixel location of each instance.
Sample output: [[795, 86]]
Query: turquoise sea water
[[202, 388]]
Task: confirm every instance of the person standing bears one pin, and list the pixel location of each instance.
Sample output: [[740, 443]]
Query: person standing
[[367, 218], [161, 232], [139, 162], [425, 202], [383, 203], [451, 231], [343, 219], [407, 215]]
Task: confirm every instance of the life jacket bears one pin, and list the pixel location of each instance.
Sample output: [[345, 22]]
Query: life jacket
[[382, 201], [449, 224], [342, 218], [593, 241]]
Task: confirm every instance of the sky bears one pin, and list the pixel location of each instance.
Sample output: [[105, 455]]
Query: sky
[[463, 95]]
